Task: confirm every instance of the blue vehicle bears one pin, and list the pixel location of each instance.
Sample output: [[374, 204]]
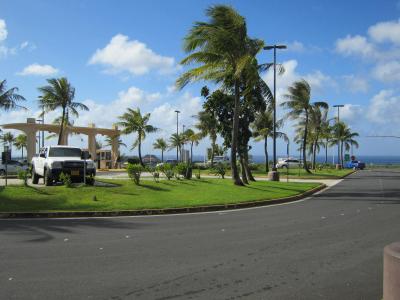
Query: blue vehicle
[[355, 164]]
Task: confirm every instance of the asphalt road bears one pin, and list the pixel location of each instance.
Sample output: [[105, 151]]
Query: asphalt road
[[327, 247]]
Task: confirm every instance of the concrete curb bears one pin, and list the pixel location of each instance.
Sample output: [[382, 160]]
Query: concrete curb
[[165, 211]]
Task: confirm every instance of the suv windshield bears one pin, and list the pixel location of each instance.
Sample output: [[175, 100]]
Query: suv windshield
[[65, 152]]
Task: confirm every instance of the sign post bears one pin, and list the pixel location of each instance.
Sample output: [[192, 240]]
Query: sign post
[[5, 157]]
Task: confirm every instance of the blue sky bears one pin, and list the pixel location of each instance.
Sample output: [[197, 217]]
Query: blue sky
[[120, 54]]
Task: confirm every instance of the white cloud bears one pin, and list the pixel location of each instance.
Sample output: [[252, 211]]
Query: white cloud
[[355, 45], [387, 72], [385, 32], [296, 46], [3, 30], [355, 84], [319, 80], [383, 108], [39, 70], [122, 54], [350, 113]]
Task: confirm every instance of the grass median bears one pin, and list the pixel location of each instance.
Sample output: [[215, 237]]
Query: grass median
[[148, 195]]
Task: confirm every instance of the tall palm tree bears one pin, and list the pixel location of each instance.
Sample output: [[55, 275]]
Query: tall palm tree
[[20, 143], [208, 126], [9, 97], [67, 123], [220, 48], [263, 129], [133, 121], [162, 145], [318, 117], [177, 141], [110, 140], [326, 135], [298, 102], [193, 138], [59, 93]]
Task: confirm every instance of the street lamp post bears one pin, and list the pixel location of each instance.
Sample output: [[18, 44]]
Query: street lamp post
[[177, 133], [274, 175], [338, 120]]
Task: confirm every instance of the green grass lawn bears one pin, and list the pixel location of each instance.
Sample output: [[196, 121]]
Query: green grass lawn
[[296, 173], [127, 196]]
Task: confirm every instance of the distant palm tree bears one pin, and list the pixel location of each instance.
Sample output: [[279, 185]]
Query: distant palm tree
[[176, 141], [193, 138], [343, 136], [263, 129], [8, 139], [9, 98], [162, 145], [60, 94], [110, 140], [134, 122], [298, 102], [20, 143], [67, 123], [208, 126]]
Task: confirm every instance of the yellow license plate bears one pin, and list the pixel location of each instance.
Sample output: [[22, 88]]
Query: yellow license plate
[[75, 173]]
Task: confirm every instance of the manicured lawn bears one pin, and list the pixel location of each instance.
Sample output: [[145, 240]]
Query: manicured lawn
[[297, 173], [127, 196]]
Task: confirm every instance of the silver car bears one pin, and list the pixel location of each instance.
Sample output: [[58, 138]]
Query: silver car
[[288, 162], [13, 167]]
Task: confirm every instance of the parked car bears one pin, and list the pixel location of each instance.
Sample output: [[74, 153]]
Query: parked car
[[219, 159], [172, 162], [54, 160], [288, 162], [13, 167], [355, 164]]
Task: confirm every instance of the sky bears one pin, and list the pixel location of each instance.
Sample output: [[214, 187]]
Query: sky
[[120, 54]]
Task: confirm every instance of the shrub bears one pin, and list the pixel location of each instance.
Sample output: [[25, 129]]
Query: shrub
[[220, 170], [154, 172], [134, 172], [181, 168], [198, 175], [167, 170], [254, 166], [66, 180], [133, 160], [24, 175]]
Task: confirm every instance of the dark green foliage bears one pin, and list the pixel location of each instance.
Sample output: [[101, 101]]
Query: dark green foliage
[[168, 170], [66, 180], [134, 172], [220, 170]]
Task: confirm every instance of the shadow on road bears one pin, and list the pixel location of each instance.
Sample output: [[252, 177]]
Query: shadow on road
[[45, 230]]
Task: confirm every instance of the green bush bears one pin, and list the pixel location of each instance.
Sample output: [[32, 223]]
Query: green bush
[[134, 172], [133, 160], [254, 166], [23, 175], [181, 168], [66, 180], [154, 172], [220, 170], [168, 170]]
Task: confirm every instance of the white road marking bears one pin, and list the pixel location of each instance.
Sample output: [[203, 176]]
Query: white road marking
[[65, 240]]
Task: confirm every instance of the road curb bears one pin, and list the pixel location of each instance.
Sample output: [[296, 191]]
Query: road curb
[[165, 211]]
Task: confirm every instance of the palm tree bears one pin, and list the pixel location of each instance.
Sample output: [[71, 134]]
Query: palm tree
[[20, 143], [60, 94], [9, 98], [134, 122], [176, 141], [110, 140], [298, 102], [162, 145], [193, 138], [326, 135], [345, 137], [220, 47], [263, 129], [8, 139], [208, 126], [57, 121]]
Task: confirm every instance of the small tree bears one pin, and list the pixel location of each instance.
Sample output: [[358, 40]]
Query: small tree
[[134, 172]]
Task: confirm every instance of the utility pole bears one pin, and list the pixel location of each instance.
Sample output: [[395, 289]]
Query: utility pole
[[177, 133], [274, 175], [338, 121]]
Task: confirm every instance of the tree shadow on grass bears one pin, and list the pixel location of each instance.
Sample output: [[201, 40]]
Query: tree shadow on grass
[[154, 188]]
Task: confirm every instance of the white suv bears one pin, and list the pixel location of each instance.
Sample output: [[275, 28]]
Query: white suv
[[288, 162]]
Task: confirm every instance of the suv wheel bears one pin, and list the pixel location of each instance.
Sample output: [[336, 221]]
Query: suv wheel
[[35, 177], [48, 181]]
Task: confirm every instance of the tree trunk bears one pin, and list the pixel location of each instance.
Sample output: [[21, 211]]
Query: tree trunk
[[235, 132], [162, 155], [341, 154], [247, 168], [266, 154], [61, 126], [326, 151], [191, 153], [243, 169], [140, 149], [22, 152], [305, 145], [212, 151]]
